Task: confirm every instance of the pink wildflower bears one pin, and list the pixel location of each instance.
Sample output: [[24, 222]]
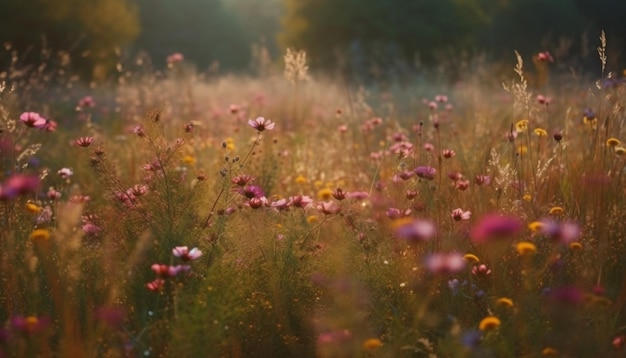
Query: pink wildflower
[[183, 253], [261, 124], [33, 119], [459, 214]]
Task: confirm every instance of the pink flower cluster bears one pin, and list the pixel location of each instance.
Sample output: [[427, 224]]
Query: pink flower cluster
[[164, 272]]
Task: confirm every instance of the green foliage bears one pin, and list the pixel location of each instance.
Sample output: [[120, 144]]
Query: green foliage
[[202, 30], [325, 27], [89, 31]]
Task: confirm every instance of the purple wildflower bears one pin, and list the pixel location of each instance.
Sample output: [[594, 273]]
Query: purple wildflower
[[426, 172]]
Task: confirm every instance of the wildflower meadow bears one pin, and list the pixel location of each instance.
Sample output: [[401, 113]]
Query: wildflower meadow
[[174, 213]]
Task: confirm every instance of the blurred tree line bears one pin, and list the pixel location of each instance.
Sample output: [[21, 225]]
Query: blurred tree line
[[367, 32], [333, 32]]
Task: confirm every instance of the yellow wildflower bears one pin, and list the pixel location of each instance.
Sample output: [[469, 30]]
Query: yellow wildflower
[[372, 343], [504, 302], [526, 248], [318, 184], [189, 160], [521, 126], [311, 219], [325, 194], [613, 142], [300, 179], [33, 208], [489, 323], [40, 234], [556, 210], [535, 226], [229, 143], [549, 352], [575, 246], [540, 132], [621, 151], [471, 258], [526, 197]]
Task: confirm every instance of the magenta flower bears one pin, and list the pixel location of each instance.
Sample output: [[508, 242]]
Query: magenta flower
[[261, 124], [183, 253], [495, 226], [33, 120], [18, 184], [426, 172], [441, 263]]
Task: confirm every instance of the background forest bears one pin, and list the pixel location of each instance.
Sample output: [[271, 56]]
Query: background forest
[[337, 34]]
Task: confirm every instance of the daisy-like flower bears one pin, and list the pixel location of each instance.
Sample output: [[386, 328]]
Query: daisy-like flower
[[33, 120], [300, 201], [540, 132], [261, 124], [65, 173], [427, 173], [458, 214], [521, 126], [84, 141], [448, 153], [183, 253]]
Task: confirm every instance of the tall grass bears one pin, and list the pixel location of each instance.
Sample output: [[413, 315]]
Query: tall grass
[[436, 220]]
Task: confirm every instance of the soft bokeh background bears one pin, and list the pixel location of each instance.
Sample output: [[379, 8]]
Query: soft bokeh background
[[352, 36]]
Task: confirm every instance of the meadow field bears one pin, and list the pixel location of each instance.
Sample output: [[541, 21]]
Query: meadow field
[[183, 214]]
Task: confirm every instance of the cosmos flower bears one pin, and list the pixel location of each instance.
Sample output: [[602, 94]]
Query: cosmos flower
[[458, 214], [33, 120], [425, 172], [183, 253], [261, 124], [84, 141]]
